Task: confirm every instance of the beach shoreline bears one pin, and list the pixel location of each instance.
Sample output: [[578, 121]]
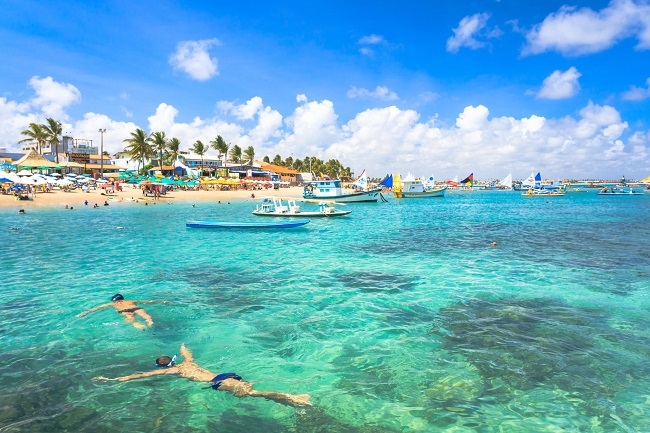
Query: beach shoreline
[[133, 197]]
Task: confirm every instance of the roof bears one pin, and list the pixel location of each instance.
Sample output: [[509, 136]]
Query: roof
[[34, 159], [278, 168]]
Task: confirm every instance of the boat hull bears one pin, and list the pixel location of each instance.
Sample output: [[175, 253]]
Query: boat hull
[[244, 225], [358, 197], [302, 214], [437, 192]]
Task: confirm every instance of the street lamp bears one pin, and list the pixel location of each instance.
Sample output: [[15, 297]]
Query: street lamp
[[101, 152]]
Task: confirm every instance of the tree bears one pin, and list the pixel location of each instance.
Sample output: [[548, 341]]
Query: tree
[[174, 147], [139, 146], [277, 160], [235, 154], [266, 159], [249, 153], [36, 133], [159, 142], [200, 149], [52, 131], [220, 145], [288, 162]]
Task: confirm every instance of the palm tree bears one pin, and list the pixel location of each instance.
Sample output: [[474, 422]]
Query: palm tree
[[235, 154], [36, 133], [174, 146], [139, 146], [200, 149], [159, 142], [220, 145], [249, 153], [53, 129]]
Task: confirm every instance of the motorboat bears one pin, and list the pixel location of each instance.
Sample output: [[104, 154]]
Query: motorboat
[[275, 207], [245, 225]]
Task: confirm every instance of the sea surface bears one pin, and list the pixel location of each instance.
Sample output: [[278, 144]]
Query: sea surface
[[399, 317]]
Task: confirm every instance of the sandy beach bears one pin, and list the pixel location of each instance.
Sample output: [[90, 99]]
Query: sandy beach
[[131, 196]]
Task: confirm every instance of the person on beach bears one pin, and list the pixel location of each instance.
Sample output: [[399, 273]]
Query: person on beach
[[229, 382], [128, 309]]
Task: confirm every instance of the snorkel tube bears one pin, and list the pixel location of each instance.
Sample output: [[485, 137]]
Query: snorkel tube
[[171, 363]]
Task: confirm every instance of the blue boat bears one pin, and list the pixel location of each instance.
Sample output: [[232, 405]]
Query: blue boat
[[244, 225]]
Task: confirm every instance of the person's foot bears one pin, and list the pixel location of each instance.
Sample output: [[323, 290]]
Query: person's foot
[[300, 400]]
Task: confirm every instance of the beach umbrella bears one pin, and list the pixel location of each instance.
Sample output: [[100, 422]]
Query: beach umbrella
[[5, 180], [26, 181], [64, 182], [55, 174], [24, 173]]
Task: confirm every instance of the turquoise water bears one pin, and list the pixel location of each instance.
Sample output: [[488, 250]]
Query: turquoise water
[[400, 317]]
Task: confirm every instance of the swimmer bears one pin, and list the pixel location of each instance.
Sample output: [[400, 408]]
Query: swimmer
[[229, 382], [494, 244], [21, 211], [128, 309]]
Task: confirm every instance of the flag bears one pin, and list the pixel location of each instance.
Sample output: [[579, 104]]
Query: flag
[[469, 180]]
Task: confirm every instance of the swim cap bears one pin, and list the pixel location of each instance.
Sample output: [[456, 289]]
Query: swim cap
[[117, 297]]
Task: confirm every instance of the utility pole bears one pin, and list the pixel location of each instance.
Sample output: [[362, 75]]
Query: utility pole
[[101, 153]]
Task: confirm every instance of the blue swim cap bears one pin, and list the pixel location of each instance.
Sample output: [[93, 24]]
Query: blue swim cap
[[117, 297]]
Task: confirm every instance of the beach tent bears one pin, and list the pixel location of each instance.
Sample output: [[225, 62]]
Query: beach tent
[[646, 180], [33, 159]]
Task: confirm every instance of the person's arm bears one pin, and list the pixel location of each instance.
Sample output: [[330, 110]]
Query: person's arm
[[187, 355], [93, 310], [135, 376]]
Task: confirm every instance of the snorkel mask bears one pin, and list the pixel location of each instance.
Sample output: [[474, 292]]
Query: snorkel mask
[[171, 363]]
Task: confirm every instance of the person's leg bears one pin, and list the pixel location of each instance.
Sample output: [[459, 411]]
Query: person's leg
[[243, 388], [145, 316], [130, 318]]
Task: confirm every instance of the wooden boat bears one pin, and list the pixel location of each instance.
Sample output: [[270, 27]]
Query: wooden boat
[[409, 187], [332, 190], [276, 208], [245, 225]]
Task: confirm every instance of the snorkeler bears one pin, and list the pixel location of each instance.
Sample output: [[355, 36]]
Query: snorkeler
[[229, 382], [128, 309]]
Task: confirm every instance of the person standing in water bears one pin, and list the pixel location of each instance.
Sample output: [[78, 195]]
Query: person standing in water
[[229, 382], [128, 309]]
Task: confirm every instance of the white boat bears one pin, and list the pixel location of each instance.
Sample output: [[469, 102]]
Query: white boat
[[409, 187], [619, 191], [332, 190], [506, 183], [275, 207], [541, 192]]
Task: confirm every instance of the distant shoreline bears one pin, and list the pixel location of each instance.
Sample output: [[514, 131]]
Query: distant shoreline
[[133, 197]]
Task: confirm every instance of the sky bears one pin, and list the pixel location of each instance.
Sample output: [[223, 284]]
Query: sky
[[488, 87]]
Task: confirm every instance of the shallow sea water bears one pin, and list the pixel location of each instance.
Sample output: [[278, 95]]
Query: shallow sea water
[[399, 317]]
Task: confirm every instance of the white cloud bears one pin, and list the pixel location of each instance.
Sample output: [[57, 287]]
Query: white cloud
[[472, 118], [560, 85], [637, 93], [469, 28], [193, 58], [381, 92], [595, 143], [575, 32], [53, 97], [372, 40]]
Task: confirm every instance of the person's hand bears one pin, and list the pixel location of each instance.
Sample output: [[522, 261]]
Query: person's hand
[[100, 378]]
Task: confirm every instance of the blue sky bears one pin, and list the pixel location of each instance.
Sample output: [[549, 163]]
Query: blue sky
[[490, 87]]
